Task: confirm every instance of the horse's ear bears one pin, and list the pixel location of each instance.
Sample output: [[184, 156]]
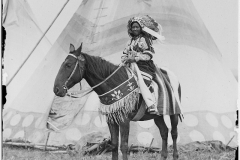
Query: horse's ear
[[80, 48], [72, 48]]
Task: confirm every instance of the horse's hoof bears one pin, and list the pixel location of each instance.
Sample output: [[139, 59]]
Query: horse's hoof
[[175, 157]]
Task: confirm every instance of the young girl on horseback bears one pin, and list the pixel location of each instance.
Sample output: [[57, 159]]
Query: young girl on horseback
[[139, 53]]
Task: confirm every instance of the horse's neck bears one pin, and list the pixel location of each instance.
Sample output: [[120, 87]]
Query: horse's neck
[[93, 81], [103, 88]]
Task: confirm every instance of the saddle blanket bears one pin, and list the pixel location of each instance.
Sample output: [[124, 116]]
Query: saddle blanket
[[167, 93], [119, 92]]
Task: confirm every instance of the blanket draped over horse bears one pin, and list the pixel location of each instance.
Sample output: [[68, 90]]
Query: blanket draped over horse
[[122, 100]]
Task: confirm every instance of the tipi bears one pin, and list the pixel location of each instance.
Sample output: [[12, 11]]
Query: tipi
[[209, 90]]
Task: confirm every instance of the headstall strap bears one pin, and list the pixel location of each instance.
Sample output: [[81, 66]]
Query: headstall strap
[[80, 69], [73, 56], [65, 84]]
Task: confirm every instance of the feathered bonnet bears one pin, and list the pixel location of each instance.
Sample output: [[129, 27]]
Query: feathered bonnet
[[148, 25]]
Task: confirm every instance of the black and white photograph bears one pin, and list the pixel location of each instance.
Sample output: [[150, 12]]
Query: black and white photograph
[[120, 79]]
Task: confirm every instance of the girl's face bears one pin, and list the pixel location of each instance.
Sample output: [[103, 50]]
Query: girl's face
[[136, 29]]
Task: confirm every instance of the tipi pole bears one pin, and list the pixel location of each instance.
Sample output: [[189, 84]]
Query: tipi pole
[[37, 43]]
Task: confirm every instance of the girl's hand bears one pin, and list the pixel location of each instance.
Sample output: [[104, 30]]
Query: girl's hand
[[130, 60], [132, 53], [124, 58]]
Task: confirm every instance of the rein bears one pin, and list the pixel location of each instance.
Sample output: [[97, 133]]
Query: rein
[[87, 90]]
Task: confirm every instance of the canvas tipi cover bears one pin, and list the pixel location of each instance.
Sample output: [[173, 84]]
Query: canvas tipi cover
[[209, 90]]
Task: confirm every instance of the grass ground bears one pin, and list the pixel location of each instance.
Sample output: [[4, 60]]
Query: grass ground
[[22, 153]]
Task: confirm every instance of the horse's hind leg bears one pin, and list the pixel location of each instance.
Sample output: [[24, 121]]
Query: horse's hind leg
[[124, 131], [114, 130], [159, 121], [174, 133]]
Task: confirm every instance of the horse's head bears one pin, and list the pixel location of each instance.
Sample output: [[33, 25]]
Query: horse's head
[[71, 71]]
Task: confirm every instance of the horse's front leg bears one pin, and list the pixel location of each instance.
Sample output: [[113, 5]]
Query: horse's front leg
[[159, 121], [114, 130], [124, 131], [174, 133]]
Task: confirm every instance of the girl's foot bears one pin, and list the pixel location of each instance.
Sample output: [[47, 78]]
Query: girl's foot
[[152, 109]]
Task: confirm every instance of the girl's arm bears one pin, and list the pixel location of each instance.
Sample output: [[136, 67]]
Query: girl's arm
[[145, 47]]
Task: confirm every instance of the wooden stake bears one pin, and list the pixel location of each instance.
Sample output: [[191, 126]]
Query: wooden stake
[[25, 133], [229, 141], [150, 145], [129, 149], [104, 151], [40, 146], [19, 144], [46, 141], [64, 152]]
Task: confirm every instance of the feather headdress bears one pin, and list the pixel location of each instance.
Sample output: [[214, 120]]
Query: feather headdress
[[148, 25]]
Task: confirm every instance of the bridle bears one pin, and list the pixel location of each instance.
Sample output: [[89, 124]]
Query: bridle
[[75, 68], [81, 70]]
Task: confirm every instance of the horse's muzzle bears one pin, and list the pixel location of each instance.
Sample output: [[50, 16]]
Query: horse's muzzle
[[59, 92]]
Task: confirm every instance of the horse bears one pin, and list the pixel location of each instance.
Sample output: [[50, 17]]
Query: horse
[[95, 70]]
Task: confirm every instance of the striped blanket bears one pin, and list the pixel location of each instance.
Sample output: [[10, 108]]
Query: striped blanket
[[169, 93]]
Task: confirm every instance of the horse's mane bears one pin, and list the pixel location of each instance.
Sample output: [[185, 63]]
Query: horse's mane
[[100, 69]]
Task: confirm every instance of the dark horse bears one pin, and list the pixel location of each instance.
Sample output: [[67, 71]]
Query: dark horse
[[95, 70]]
